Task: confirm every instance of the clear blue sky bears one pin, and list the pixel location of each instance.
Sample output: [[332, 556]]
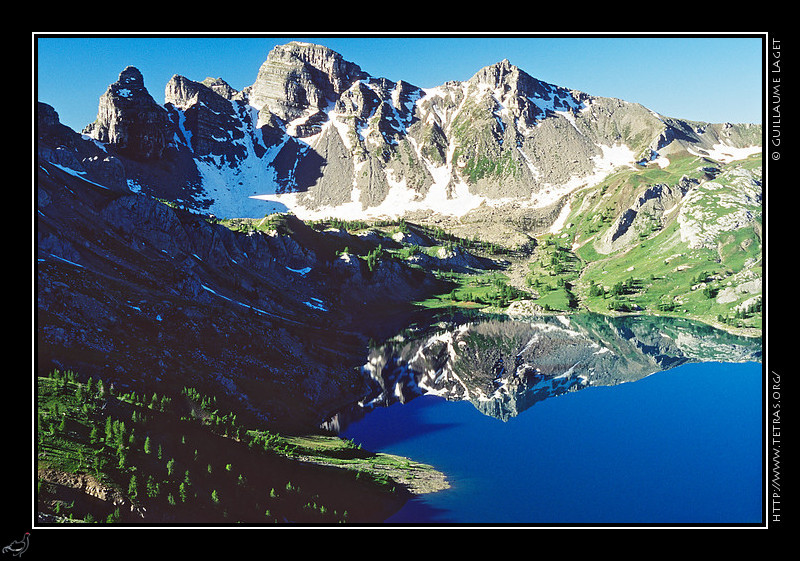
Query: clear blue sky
[[714, 78]]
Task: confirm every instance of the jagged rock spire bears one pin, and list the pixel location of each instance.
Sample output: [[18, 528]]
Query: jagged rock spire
[[130, 119]]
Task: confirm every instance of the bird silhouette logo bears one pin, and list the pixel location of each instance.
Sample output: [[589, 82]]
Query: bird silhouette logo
[[18, 547]]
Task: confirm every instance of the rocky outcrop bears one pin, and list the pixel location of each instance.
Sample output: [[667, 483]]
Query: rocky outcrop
[[733, 200], [75, 485], [61, 145], [645, 216], [301, 80], [209, 122], [221, 87], [131, 120]]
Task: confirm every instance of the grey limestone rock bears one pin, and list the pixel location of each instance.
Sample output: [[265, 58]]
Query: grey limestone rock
[[297, 79], [212, 124], [130, 119]]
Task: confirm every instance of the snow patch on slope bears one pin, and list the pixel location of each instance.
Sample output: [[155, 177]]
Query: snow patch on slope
[[726, 154], [451, 200], [613, 157]]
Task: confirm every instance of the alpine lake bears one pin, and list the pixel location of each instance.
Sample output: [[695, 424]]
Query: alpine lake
[[572, 420]]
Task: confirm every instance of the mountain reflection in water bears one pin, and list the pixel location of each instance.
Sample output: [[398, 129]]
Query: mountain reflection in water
[[503, 367]]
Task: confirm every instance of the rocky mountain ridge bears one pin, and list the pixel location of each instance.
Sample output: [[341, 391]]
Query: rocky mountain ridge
[[316, 135]]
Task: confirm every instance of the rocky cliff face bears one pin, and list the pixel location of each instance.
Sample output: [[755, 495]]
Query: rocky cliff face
[[64, 147], [316, 135], [129, 119], [298, 82], [212, 121], [648, 211]]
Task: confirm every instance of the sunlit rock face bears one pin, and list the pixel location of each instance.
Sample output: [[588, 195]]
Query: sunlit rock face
[[299, 79]]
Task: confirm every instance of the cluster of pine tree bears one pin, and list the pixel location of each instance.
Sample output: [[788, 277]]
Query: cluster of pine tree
[[742, 313], [178, 462]]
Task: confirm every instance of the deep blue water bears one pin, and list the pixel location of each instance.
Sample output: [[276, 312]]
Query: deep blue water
[[681, 446]]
